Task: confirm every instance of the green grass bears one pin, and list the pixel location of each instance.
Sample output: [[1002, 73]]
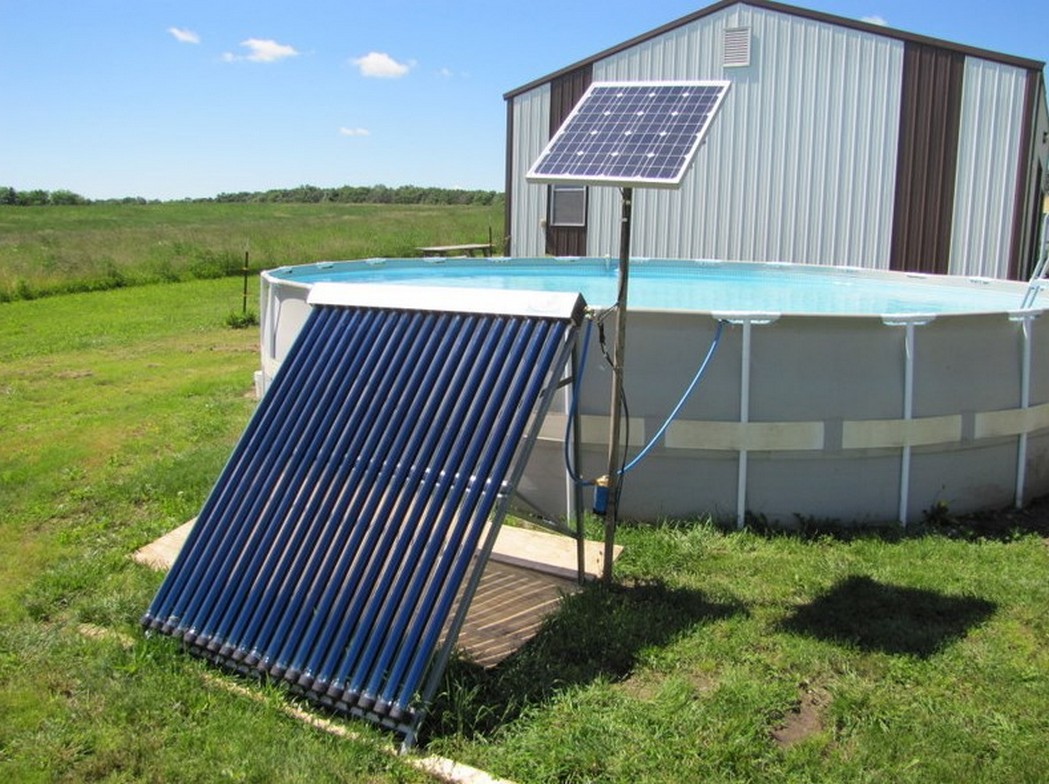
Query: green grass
[[49, 250], [925, 659], [881, 658], [118, 410]]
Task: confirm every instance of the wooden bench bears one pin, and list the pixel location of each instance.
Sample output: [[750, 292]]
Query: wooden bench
[[484, 248]]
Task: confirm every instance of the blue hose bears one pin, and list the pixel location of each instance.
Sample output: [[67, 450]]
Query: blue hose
[[662, 428]]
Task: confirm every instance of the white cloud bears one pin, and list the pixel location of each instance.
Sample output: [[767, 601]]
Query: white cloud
[[380, 65], [354, 131], [875, 20], [184, 36], [262, 50]]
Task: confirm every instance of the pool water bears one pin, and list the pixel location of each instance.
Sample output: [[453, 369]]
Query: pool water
[[690, 285]]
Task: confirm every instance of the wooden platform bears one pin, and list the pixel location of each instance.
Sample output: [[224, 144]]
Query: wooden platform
[[523, 582]]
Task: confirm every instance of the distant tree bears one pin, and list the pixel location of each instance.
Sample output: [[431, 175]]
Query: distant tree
[[34, 198], [359, 194], [408, 194], [8, 196], [380, 194], [66, 198]]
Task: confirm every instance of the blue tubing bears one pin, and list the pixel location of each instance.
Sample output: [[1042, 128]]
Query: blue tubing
[[393, 594], [256, 545], [317, 643], [662, 428], [305, 521], [166, 605], [541, 350], [350, 531], [406, 436], [425, 476], [286, 472], [423, 591], [666, 423], [195, 576], [340, 642], [324, 556]]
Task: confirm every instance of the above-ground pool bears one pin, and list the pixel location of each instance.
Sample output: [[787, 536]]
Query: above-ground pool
[[833, 393]]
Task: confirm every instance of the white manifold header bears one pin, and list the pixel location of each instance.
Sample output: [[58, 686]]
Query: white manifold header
[[450, 299]]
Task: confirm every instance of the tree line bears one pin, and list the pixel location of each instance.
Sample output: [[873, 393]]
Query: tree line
[[303, 194]]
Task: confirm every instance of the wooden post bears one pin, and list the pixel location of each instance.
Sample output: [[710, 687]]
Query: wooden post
[[244, 303]]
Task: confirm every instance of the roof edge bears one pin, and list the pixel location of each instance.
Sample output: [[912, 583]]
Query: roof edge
[[805, 13]]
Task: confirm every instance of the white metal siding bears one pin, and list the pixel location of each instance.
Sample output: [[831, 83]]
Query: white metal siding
[[531, 118], [988, 152], [801, 163]]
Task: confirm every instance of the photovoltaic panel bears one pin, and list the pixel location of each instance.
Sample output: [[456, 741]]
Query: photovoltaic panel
[[331, 550], [631, 133]]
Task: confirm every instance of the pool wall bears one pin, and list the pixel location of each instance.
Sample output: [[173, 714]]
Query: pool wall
[[844, 418], [815, 425]]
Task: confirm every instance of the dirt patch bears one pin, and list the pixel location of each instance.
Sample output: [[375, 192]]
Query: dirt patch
[[67, 375], [1001, 524], [804, 719], [645, 686], [641, 687]]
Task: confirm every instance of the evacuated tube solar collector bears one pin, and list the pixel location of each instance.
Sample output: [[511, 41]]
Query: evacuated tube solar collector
[[330, 551], [628, 134]]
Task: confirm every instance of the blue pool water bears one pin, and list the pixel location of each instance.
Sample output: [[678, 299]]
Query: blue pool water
[[689, 285]]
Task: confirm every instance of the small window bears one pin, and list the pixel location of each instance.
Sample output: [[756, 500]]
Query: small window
[[567, 205], [736, 47]]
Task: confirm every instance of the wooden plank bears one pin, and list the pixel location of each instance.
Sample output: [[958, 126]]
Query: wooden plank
[[161, 553], [549, 553], [525, 578], [508, 610]]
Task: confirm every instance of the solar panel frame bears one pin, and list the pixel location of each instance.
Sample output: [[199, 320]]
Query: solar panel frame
[[631, 134]]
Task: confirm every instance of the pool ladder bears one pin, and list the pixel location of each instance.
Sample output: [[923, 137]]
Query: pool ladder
[[1038, 275]]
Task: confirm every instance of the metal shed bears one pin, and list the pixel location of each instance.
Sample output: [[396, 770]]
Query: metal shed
[[842, 143]]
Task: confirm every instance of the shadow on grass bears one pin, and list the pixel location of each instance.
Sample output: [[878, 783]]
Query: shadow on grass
[[1002, 525], [875, 617], [596, 633]]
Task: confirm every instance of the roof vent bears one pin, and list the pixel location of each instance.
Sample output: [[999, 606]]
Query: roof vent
[[736, 47]]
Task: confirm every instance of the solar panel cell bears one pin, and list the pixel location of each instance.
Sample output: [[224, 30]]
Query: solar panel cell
[[631, 133]]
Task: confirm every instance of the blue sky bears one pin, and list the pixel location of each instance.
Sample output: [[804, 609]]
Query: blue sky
[[184, 98]]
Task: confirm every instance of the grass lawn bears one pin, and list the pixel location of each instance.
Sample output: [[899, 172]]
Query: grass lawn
[[46, 250], [717, 657], [118, 410]]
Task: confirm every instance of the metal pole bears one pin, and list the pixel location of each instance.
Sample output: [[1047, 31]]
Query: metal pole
[[575, 494], [618, 358], [244, 304]]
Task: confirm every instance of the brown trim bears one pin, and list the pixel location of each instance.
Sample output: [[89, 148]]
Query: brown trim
[[565, 92], [927, 158], [804, 13], [1021, 241], [508, 182], [1031, 249]]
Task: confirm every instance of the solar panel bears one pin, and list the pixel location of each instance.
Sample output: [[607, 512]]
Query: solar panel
[[332, 548], [631, 133]]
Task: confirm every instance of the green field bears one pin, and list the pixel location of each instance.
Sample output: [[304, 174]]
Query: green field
[[718, 656], [46, 250]]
